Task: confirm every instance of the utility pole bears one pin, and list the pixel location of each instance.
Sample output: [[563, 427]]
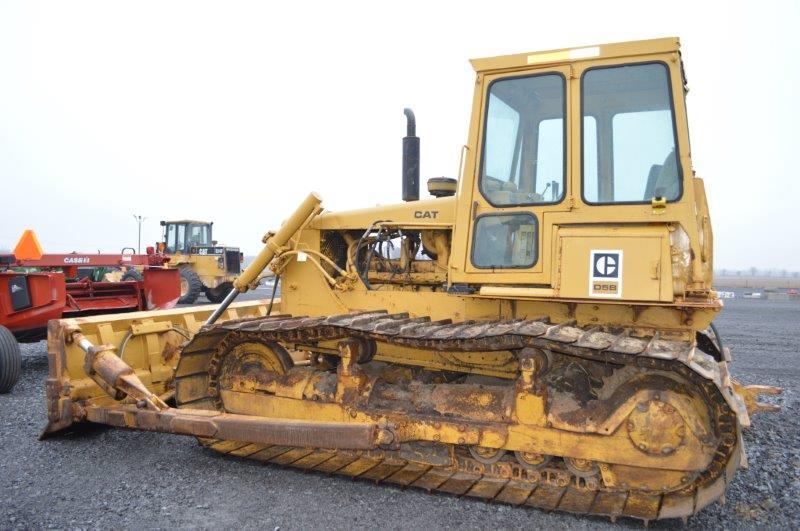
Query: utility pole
[[139, 219]]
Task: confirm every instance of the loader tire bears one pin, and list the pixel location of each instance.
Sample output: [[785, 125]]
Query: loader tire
[[10, 360], [216, 295], [132, 274], [191, 286]]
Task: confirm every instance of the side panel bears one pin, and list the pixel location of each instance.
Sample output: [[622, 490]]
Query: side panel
[[46, 299], [614, 263]]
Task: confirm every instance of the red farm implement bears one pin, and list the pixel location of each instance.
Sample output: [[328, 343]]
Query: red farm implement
[[36, 287]]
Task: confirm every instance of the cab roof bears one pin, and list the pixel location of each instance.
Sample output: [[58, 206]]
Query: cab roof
[[189, 221], [572, 55]]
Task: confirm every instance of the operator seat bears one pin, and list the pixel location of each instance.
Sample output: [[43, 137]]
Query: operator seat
[[663, 180]]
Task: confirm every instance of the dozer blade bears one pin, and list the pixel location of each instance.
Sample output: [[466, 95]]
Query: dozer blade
[[147, 342]]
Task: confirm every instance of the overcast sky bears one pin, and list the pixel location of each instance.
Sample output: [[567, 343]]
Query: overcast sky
[[233, 111]]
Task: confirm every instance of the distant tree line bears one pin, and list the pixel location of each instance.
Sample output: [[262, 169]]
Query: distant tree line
[[756, 272]]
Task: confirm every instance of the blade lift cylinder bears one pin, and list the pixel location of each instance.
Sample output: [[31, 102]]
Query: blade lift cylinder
[[273, 245]]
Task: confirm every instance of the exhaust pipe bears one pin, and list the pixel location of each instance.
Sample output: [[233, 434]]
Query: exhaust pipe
[[410, 158]]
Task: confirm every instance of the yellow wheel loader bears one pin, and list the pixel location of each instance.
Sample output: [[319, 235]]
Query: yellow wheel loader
[[205, 266], [538, 333]]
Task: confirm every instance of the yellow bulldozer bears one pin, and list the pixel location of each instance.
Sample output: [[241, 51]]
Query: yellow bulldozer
[[539, 332], [205, 266]]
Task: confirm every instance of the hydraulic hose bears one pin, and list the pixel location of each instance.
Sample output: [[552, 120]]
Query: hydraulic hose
[[717, 337]]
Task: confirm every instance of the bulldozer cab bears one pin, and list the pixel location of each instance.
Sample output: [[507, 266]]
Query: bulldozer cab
[[186, 236], [572, 155]]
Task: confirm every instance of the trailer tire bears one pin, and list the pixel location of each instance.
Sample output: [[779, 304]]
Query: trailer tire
[[218, 294], [191, 286], [10, 360], [132, 274]]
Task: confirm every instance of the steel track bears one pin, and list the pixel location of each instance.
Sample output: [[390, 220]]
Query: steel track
[[468, 477]]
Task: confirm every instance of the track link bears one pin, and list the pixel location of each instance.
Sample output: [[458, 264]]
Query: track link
[[547, 490]]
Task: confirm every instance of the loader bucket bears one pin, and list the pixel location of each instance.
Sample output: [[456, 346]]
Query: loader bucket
[[149, 342]]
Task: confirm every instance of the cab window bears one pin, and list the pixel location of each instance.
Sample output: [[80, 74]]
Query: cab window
[[180, 245], [198, 235], [523, 147], [629, 140], [170, 238], [505, 241]]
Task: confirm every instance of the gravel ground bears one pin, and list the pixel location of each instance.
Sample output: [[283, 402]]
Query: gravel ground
[[123, 479]]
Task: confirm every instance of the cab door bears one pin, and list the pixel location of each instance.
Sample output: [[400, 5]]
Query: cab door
[[520, 177]]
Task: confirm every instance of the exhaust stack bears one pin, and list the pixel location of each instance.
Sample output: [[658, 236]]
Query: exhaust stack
[[410, 158]]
